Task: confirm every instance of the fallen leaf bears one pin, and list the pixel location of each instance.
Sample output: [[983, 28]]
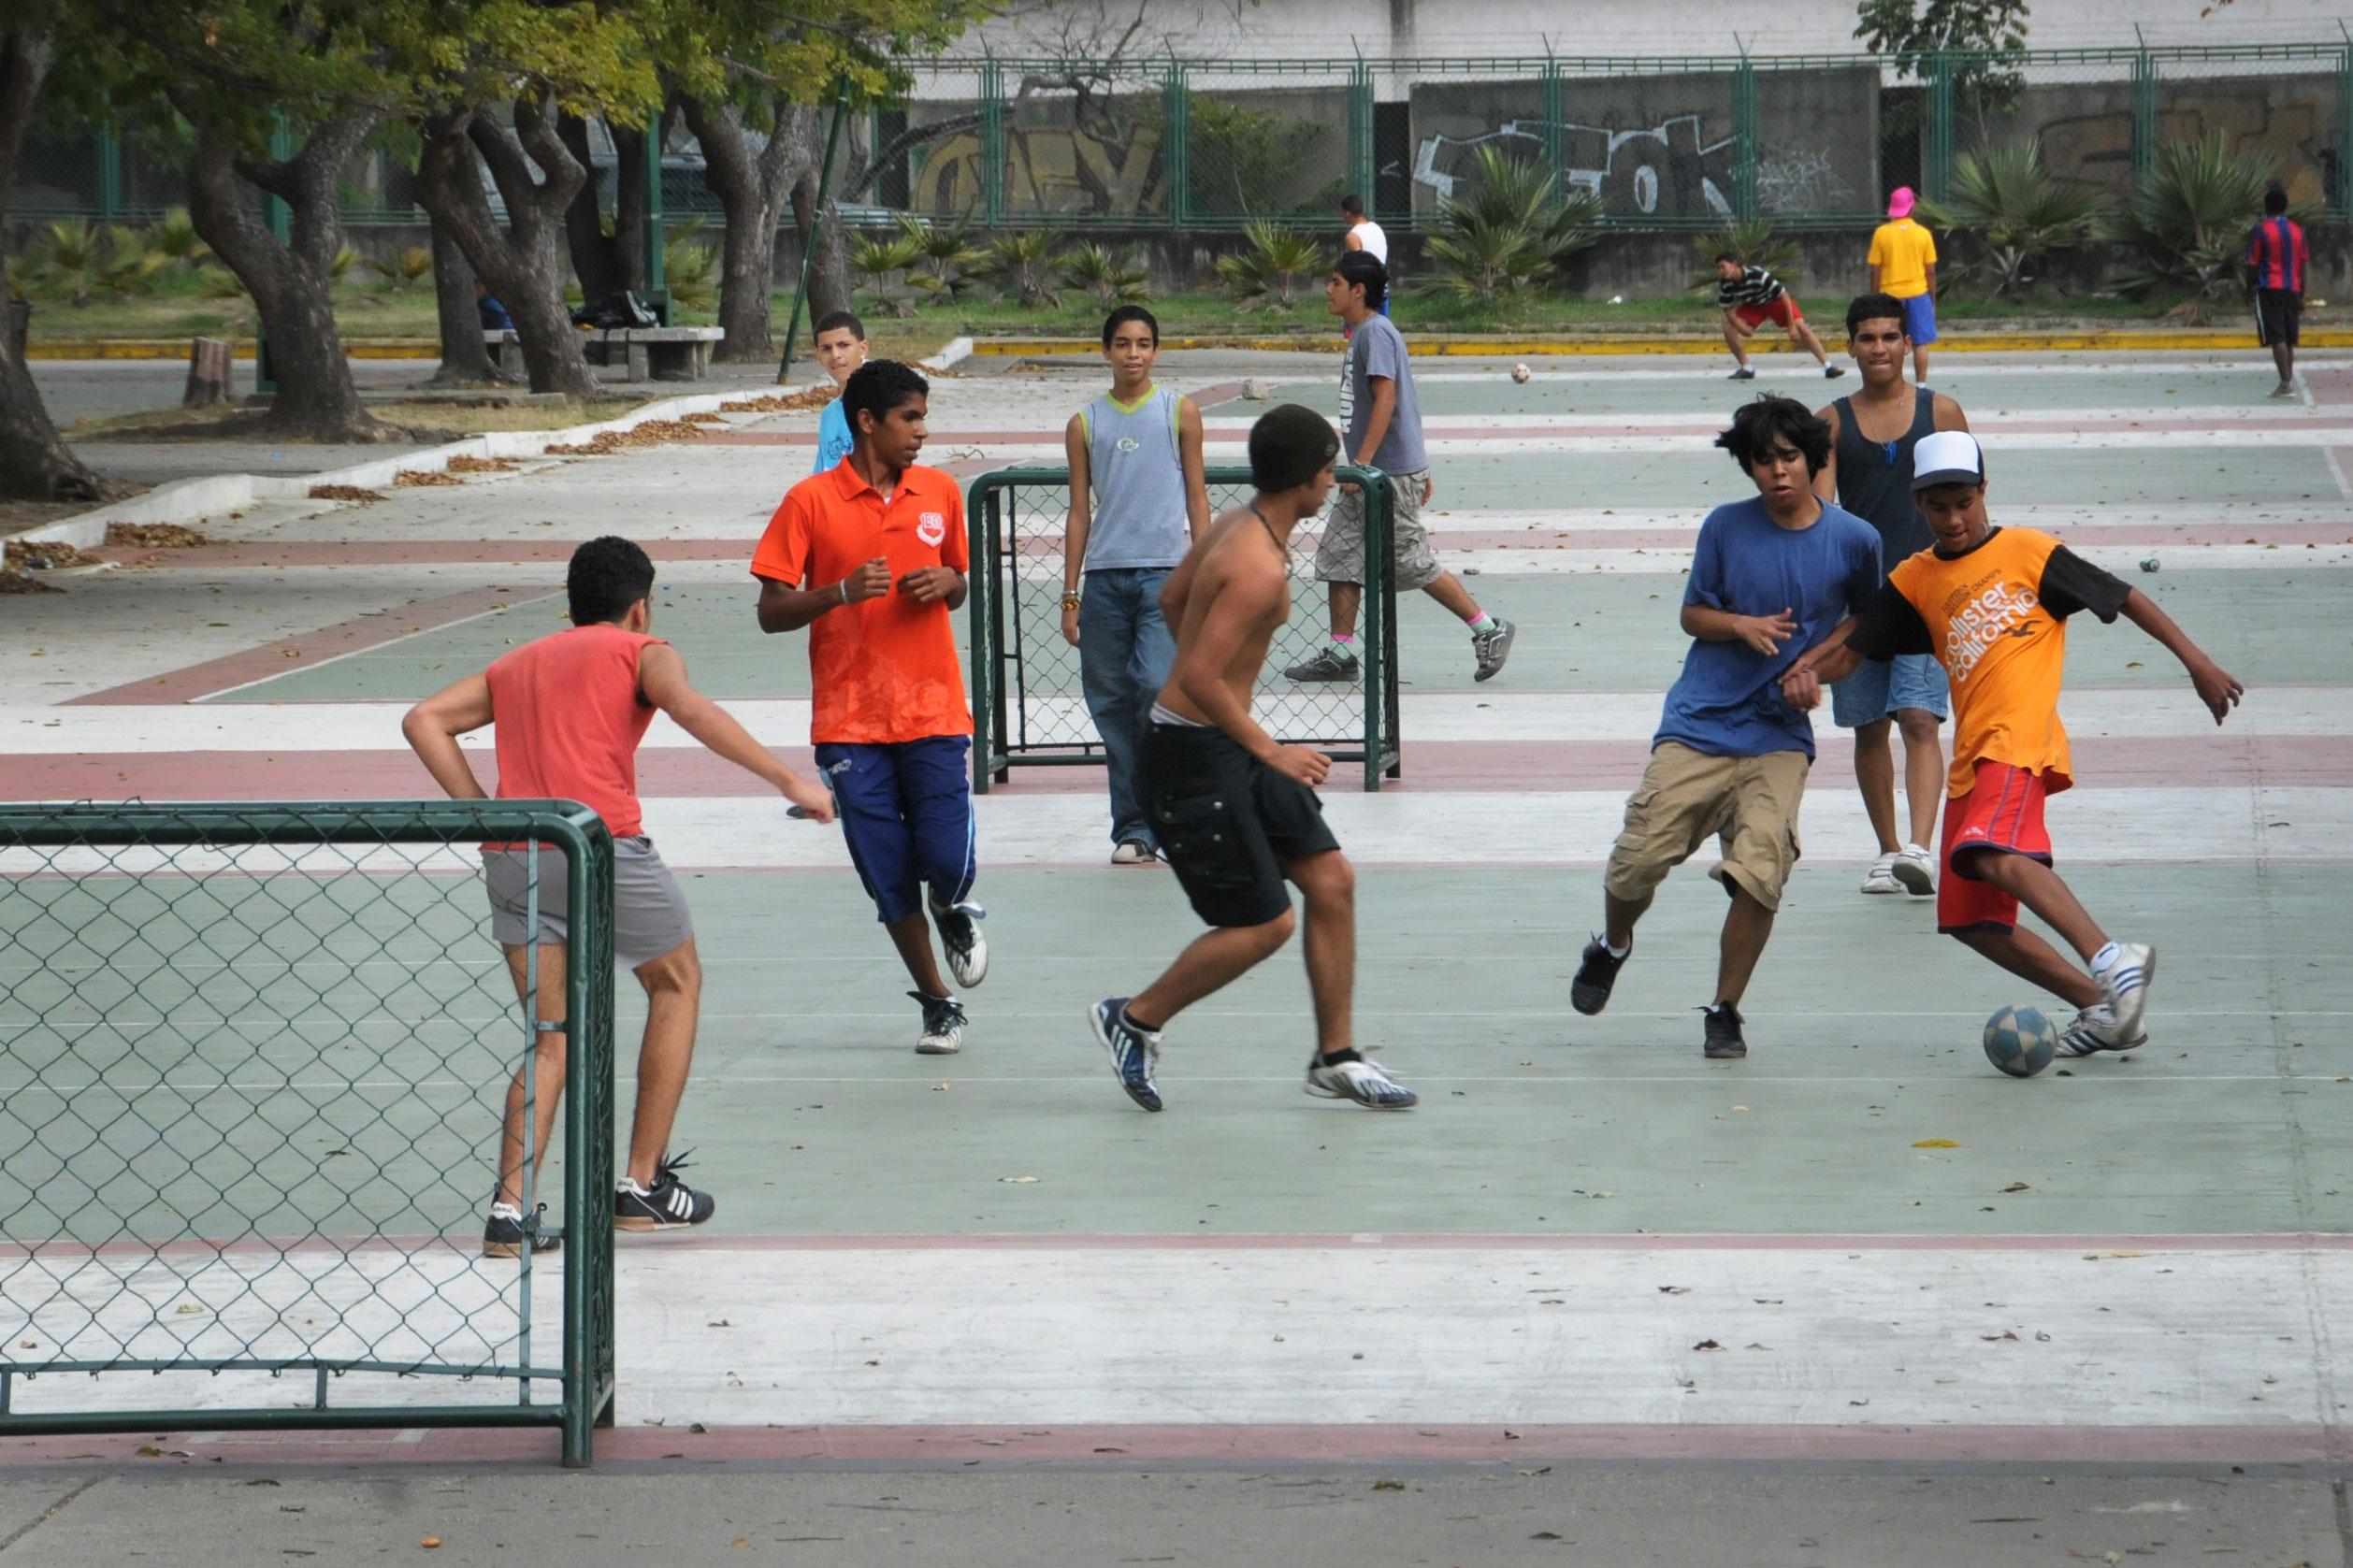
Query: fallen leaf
[[1991, 1339], [187, 1309], [2017, 1186], [430, 1541], [1936, 1143], [1706, 1345], [1389, 1486], [1544, 1534], [261, 1481], [1674, 1289]]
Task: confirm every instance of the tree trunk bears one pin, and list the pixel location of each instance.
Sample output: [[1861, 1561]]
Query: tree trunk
[[595, 256], [522, 260], [35, 465], [465, 358], [291, 283], [751, 193], [829, 278]]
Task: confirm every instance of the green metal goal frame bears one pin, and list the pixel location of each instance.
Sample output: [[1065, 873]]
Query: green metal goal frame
[[585, 1375]]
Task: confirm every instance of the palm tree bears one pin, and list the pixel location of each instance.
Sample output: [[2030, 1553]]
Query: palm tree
[[1111, 279], [2012, 205], [2188, 220], [1509, 230], [882, 262], [948, 256], [1268, 272], [1025, 262]]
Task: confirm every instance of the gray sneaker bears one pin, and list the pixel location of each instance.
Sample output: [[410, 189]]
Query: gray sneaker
[[1328, 665], [1742, 374], [1491, 648]]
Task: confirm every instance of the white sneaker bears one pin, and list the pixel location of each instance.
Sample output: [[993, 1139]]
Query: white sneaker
[[1916, 868], [960, 934], [1134, 851], [2095, 1029], [2124, 985], [1367, 1083], [1880, 878]]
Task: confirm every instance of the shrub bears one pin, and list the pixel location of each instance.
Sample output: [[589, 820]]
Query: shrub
[[1510, 229], [2006, 201], [1752, 241], [1111, 279], [883, 262], [1268, 272], [2188, 220], [1025, 263]]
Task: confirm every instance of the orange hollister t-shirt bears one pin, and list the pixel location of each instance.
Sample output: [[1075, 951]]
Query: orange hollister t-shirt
[[1996, 618], [881, 670], [568, 719]]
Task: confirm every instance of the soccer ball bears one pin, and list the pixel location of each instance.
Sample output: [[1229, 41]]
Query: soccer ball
[[1520, 372], [2019, 1041]]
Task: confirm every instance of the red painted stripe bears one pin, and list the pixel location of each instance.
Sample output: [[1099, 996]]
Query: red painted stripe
[[371, 630], [1211, 1445], [554, 551], [392, 772]]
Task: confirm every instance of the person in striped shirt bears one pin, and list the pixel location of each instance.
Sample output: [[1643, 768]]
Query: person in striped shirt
[[2276, 269], [1748, 297]]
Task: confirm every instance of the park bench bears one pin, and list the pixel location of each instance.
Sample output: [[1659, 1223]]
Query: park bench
[[669, 353]]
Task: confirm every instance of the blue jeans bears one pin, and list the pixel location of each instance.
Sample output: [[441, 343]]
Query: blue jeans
[[1124, 654]]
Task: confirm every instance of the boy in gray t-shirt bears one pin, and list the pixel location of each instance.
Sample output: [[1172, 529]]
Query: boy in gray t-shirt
[[1381, 422]]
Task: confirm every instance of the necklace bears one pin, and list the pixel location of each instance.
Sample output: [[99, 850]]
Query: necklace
[[1270, 530]]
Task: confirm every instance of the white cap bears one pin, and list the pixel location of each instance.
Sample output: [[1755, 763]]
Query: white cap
[[1947, 458]]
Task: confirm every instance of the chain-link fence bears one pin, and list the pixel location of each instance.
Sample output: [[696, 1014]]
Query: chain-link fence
[[252, 1067], [1028, 706]]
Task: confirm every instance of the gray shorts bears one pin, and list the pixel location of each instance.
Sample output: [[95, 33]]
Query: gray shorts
[[649, 912], [1340, 557]]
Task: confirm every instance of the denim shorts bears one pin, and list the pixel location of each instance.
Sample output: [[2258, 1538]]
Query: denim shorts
[[1877, 689]]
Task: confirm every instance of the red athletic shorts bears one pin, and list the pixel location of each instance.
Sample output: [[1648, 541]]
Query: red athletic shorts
[[1781, 312], [2003, 814]]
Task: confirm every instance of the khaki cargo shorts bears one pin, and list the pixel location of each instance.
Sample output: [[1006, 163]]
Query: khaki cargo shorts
[[1749, 804], [1340, 554]]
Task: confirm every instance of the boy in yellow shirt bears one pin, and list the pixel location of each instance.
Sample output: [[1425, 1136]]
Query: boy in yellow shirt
[[1903, 263]]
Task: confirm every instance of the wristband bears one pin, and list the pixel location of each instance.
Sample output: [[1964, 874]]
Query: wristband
[[1069, 601], [845, 586]]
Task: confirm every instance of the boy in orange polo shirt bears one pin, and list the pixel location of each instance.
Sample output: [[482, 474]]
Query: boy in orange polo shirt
[[1992, 605], [870, 555]]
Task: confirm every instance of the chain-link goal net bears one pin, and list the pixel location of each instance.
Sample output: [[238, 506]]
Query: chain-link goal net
[[1029, 703], [252, 1067]]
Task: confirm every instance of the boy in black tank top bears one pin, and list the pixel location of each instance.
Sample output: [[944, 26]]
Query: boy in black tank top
[[1873, 433]]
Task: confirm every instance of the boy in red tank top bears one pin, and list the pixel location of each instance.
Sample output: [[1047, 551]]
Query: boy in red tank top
[[571, 710]]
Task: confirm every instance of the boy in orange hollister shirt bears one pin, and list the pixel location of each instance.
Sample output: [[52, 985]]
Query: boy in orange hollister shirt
[[1992, 605]]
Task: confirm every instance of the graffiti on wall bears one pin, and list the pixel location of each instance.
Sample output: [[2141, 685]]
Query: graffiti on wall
[[1047, 170], [1661, 168]]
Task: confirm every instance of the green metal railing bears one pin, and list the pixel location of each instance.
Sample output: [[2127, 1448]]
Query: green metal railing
[[1029, 709], [1670, 141], [253, 1066]]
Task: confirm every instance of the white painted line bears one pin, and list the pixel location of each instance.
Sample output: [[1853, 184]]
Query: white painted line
[[2155, 713], [1490, 1336], [1956, 377]]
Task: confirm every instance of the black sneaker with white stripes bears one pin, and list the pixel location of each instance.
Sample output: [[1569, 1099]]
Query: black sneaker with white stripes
[[507, 1232], [669, 1205]]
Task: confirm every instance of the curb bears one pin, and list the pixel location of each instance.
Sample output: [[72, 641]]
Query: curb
[[1980, 343], [189, 501], [177, 348]]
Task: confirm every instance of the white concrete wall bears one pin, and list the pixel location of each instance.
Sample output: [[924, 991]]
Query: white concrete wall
[[1264, 28]]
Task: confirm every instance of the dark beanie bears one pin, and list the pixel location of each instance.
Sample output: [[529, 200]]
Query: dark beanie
[[1290, 445]]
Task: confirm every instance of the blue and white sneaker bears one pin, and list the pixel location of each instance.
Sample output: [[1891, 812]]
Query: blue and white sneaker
[[960, 933], [1134, 1051], [2095, 1029], [2124, 985], [1350, 1076]]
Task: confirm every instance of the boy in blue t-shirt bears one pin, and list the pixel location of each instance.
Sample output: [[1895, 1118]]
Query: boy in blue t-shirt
[[842, 347], [1770, 578]]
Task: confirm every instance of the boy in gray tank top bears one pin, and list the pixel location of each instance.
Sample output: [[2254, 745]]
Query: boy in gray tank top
[[1869, 474], [1139, 496]]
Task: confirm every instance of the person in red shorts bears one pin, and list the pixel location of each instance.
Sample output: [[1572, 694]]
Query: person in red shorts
[[1750, 297], [1992, 604], [870, 557]]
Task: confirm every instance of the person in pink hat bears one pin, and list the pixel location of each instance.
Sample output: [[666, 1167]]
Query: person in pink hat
[[1903, 263]]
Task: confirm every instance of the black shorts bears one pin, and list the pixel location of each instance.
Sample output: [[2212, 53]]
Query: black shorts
[[1226, 822], [2278, 313]]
